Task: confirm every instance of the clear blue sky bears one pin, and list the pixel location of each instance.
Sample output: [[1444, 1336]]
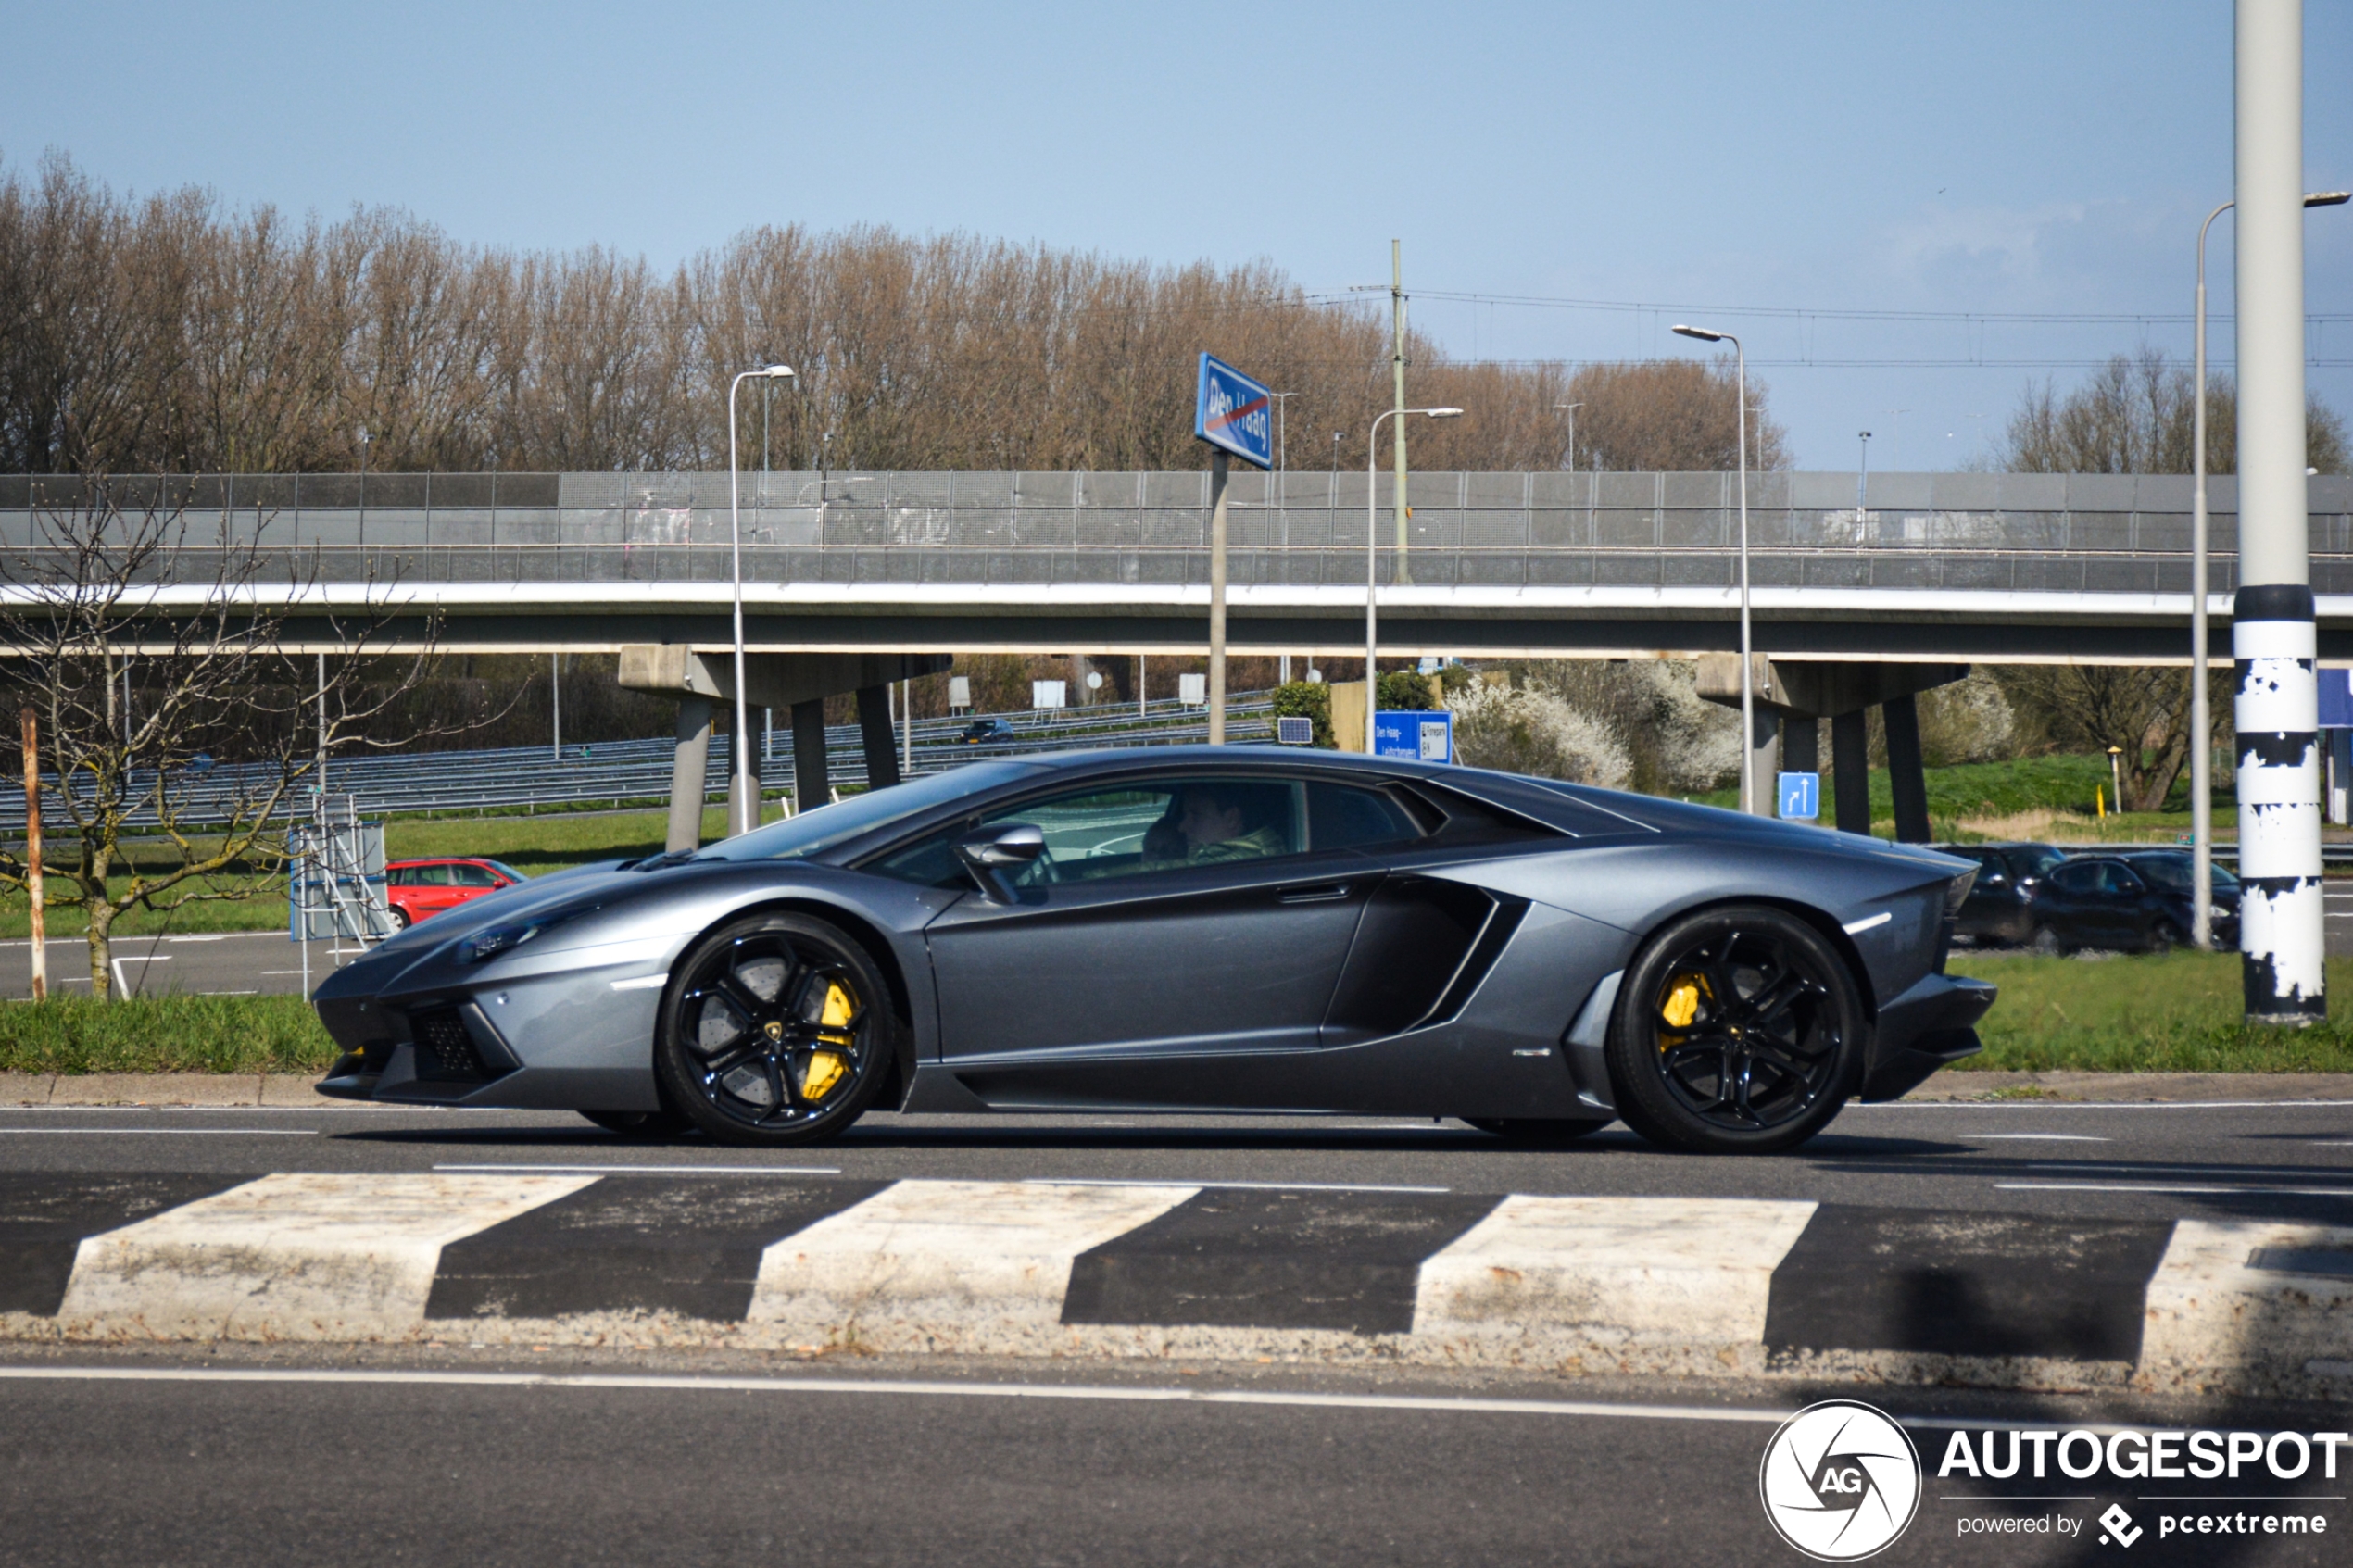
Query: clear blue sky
[[1996, 156]]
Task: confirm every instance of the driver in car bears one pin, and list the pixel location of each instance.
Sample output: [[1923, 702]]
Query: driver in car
[[1208, 824]]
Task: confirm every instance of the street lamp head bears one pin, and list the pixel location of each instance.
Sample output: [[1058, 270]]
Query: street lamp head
[[2328, 198], [1699, 332], [780, 373], [1863, 434], [1443, 413]]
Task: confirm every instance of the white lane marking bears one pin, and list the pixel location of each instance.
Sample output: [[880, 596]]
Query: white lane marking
[[1431, 1404], [244, 993], [163, 1132], [2097, 1105], [1221, 1187], [2033, 1138], [642, 983], [977, 1254], [2207, 1305], [1650, 1267], [309, 1256], [2159, 1186], [1860, 926], [283, 972], [650, 1169], [2153, 1168], [277, 936]]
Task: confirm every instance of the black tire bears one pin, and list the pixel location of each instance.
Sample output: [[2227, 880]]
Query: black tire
[[2164, 936], [1536, 1130], [1739, 1031], [399, 918], [647, 1124], [749, 1023], [2046, 942]]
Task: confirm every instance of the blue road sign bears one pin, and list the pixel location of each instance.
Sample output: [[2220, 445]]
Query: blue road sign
[[1425, 737], [1235, 413], [1801, 795]]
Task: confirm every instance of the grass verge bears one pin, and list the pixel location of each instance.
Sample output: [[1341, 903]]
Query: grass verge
[[2174, 1012], [173, 1034]]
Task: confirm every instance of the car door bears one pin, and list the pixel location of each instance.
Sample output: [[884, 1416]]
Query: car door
[[437, 889], [1136, 965], [2069, 903]]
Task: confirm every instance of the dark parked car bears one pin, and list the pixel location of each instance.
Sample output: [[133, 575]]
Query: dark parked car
[[1192, 930], [2136, 901], [984, 731], [2000, 907]]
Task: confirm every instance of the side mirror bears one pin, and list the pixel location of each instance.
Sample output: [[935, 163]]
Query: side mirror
[[989, 853]]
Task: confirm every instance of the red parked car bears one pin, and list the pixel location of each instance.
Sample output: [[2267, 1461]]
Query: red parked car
[[418, 888]]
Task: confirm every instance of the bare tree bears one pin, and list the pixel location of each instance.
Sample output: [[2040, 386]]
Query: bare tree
[[2143, 713], [1671, 414], [2135, 414], [111, 583]]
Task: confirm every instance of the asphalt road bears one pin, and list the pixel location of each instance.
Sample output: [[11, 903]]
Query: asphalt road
[[428, 1458], [236, 963], [2122, 1161]]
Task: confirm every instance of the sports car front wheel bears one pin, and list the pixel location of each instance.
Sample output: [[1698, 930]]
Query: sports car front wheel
[[776, 1029], [1739, 1031]]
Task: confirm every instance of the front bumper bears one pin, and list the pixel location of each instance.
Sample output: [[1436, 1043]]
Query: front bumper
[[1932, 1025]]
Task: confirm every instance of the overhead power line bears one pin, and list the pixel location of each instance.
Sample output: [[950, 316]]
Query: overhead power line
[[1791, 312]]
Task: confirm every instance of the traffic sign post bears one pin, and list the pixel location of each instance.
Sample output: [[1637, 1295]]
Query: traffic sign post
[[1233, 414], [1801, 795]]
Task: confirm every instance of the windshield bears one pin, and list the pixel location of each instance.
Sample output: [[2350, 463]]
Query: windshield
[[797, 838], [2035, 859], [2172, 873], [505, 869]]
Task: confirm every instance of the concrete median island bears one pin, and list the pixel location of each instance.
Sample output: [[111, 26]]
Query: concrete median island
[[774, 1261]]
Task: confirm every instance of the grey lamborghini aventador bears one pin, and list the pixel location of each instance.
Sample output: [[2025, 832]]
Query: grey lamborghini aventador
[[1192, 929]]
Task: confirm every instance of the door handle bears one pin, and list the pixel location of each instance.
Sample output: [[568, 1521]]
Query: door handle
[[1315, 893]]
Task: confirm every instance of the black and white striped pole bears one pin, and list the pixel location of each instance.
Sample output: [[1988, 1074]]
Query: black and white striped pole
[[2277, 708]]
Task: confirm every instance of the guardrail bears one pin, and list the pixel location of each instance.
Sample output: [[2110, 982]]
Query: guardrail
[[616, 773]]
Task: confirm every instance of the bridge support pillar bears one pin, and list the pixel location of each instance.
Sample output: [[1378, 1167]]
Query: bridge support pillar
[[1801, 745], [735, 781], [687, 771], [1762, 758], [810, 786], [1907, 775], [876, 736], [1851, 765]]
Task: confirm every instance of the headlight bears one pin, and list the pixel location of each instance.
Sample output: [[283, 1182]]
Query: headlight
[[1955, 895], [492, 940]]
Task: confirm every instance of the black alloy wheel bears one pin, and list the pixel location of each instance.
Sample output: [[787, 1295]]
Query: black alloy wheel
[[776, 1029], [1739, 1031]]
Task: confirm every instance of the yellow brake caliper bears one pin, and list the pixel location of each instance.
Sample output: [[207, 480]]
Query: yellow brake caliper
[[826, 1067], [1681, 1007]]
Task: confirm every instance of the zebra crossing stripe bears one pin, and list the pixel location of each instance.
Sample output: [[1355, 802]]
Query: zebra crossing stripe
[[957, 1255], [1647, 1270], [310, 1256], [2247, 1294]]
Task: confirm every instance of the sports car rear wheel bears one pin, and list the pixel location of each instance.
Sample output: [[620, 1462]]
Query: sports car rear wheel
[[777, 1029], [1739, 1031]]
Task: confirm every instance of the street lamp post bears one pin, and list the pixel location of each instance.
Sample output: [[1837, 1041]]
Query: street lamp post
[[2201, 715], [1862, 474], [1372, 547], [1572, 409], [745, 814], [1748, 679]]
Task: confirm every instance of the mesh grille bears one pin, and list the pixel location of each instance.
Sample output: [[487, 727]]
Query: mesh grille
[[445, 1051]]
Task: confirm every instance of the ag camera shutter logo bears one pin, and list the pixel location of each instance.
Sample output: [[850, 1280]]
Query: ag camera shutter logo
[[1840, 1481]]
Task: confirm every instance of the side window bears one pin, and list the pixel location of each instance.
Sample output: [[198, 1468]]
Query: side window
[[1146, 825], [401, 876], [2119, 879], [475, 876], [2077, 876], [433, 876], [1342, 817]]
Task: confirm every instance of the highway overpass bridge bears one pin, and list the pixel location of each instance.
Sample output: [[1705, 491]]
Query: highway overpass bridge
[[1932, 566]]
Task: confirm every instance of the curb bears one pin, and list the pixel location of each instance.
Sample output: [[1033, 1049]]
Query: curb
[[785, 1262]]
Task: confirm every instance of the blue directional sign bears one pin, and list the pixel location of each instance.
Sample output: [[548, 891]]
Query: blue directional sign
[[1425, 737], [1235, 413], [1801, 795]]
